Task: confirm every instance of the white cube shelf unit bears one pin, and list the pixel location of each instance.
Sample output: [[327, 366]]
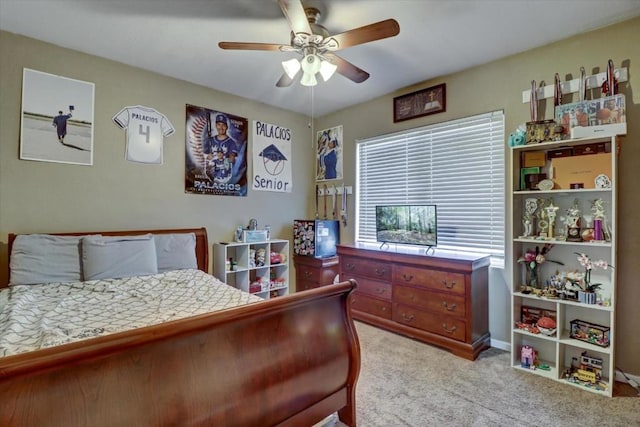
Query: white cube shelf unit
[[232, 265], [560, 355]]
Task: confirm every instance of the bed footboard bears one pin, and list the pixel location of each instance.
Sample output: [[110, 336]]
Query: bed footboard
[[291, 360]]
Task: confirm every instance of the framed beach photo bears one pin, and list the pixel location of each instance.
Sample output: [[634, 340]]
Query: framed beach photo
[[57, 119]]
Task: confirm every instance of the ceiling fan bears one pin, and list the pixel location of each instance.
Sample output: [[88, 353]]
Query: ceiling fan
[[316, 46]]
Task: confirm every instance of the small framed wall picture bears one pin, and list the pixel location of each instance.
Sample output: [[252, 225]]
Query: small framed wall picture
[[420, 103]]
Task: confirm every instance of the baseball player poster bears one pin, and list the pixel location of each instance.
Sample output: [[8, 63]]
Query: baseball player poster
[[329, 154], [57, 119], [216, 152], [271, 158]]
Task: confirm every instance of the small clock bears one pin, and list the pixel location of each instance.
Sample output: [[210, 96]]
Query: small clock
[[602, 181], [545, 185]]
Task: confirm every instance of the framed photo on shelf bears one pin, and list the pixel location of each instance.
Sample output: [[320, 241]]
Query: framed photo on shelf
[[534, 170], [420, 103]]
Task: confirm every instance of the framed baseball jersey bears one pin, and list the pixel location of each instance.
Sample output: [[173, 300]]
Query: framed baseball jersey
[[146, 129]]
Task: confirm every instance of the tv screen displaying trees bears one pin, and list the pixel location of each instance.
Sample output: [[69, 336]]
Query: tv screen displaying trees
[[407, 224]]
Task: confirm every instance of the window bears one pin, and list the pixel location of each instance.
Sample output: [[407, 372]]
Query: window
[[458, 165]]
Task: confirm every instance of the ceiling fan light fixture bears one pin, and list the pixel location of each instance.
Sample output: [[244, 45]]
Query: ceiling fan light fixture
[[291, 67], [308, 79], [311, 63], [327, 69]]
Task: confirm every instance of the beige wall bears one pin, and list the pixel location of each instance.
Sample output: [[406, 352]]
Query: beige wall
[[115, 193], [498, 85]]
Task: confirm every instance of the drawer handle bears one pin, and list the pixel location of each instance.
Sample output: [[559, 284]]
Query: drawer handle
[[350, 267], [452, 330], [407, 318], [380, 272], [380, 290], [448, 285], [308, 274], [384, 308], [407, 278], [449, 307]]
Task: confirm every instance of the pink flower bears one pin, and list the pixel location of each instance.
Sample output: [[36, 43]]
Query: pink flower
[[535, 257], [589, 265]]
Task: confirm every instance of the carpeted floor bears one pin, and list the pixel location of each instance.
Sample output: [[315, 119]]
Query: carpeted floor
[[407, 383]]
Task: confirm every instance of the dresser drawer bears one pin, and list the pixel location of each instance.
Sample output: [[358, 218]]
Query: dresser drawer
[[431, 279], [370, 305], [322, 276], [365, 267], [440, 302], [374, 288], [303, 285], [446, 326]]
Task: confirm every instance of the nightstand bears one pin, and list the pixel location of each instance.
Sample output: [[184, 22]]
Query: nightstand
[[314, 272]]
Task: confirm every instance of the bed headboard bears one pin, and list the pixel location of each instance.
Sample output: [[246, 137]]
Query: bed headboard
[[202, 244]]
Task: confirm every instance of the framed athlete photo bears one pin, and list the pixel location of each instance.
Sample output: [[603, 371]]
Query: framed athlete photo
[[329, 154], [216, 152], [57, 119], [420, 103]]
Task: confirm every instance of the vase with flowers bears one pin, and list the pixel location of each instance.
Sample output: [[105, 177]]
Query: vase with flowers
[[532, 260], [587, 292]]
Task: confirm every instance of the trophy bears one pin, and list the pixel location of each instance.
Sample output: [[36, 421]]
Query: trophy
[[600, 229], [572, 221], [542, 223], [528, 219], [551, 211]]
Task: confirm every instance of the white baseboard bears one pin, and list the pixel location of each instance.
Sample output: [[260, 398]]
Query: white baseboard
[[502, 345], [634, 378]]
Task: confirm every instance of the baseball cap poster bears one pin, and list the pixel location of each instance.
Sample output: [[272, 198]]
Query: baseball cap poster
[[216, 152]]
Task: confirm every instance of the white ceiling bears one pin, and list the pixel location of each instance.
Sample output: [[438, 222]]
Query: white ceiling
[[179, 38]]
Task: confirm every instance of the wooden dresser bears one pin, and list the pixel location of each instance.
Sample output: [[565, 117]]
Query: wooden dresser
[[438, 299], [314, 272]]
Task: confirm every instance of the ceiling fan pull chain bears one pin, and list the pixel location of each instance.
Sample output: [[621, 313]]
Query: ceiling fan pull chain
[[311, 124]]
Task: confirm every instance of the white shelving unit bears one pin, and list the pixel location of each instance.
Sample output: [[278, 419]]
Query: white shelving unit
[[560, 350], [273, 277]]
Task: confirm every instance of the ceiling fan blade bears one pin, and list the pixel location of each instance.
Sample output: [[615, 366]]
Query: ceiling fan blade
[[251, 46], [285, 80], [368, 33], [296, 16], [348, 70]]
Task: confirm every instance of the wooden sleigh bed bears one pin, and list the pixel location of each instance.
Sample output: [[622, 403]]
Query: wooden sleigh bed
[[291, 360]]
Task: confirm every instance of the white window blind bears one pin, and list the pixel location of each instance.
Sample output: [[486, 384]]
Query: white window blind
[[457, 165]]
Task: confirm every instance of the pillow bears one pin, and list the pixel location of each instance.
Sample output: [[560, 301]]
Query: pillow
[[176, 251], [45, 258], [114, 257]]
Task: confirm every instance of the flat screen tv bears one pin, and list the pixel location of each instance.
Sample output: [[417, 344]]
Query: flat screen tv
[[407, 224]]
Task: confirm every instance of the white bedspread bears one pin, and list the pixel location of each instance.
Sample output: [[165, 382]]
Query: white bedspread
[[39, 316]]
